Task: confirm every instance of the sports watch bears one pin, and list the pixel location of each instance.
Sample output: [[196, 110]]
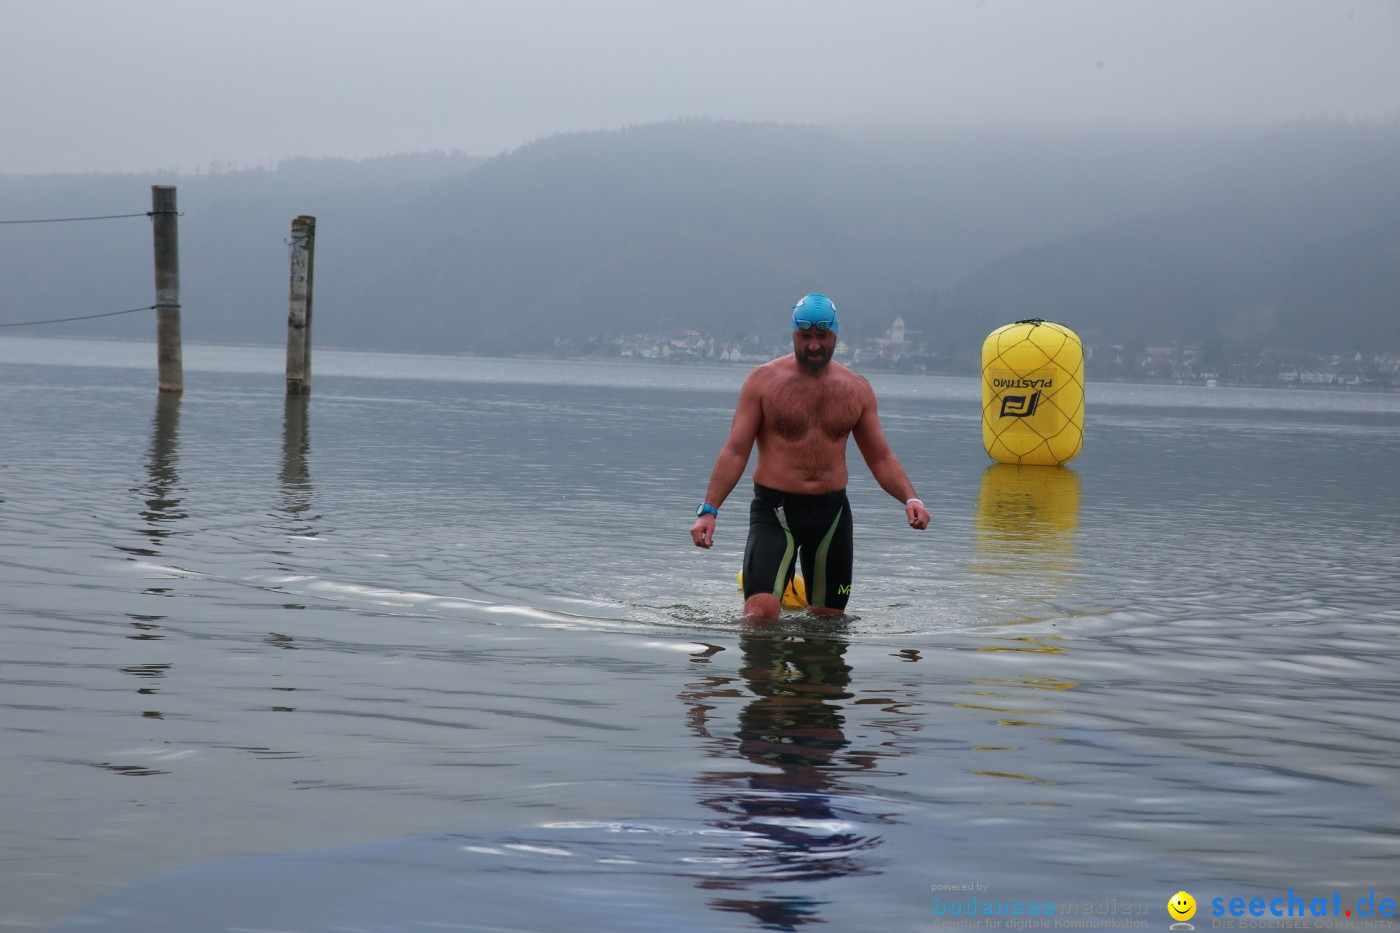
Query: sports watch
[[706, 509]]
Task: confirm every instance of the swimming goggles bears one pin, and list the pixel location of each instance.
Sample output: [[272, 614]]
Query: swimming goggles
[[808, 325]]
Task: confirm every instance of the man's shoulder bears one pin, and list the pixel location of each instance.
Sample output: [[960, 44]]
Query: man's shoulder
[[845, 372], [771, 370], [847, 376]]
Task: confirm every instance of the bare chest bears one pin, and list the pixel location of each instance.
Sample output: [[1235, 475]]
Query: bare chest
[[798, 411]]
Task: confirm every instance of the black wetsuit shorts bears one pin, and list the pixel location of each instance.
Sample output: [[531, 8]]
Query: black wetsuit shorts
[[815, 530]]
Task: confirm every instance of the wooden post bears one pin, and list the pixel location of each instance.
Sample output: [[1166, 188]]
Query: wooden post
[[299, 306], [165, 227]]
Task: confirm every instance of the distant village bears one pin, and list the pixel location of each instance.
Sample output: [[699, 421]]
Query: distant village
[[1188, 364], [900, 350], [893, 349]]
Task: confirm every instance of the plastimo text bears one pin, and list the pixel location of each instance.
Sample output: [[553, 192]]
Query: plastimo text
[[1023, 383]]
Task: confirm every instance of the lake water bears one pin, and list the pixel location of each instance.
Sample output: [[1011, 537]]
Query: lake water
[[432, 650]]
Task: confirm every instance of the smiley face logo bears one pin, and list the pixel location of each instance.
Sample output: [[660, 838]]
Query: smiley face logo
[[1182, 906]]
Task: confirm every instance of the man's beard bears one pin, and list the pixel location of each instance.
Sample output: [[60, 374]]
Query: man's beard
[[814, 362]]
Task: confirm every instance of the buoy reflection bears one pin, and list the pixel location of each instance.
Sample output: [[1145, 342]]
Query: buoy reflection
[[1027, 526]]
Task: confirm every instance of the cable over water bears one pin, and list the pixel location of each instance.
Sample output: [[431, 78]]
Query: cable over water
[[64, 220], [82, 317]]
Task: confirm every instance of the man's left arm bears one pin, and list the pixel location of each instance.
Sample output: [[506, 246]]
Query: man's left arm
[[885, 466]]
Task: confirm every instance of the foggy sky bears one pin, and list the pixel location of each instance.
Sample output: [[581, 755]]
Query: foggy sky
[[137, 85]]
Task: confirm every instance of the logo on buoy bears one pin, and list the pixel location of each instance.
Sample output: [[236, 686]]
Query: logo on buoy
[[1019, 406]]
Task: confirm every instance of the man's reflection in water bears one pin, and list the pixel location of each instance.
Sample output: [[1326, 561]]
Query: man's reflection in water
[[295, 477], [797, 822], [162, 491]]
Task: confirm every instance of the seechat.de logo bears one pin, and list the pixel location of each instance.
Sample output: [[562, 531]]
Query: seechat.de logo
[[1182, 907]]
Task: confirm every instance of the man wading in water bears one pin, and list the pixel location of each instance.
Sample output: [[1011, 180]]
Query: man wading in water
[[800, 410]]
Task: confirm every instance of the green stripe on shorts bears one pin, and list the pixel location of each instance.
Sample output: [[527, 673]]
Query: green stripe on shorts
[[816, 596], [780, 584]]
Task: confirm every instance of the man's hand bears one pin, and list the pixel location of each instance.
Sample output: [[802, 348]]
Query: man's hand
[[703, 531], [916, 513]]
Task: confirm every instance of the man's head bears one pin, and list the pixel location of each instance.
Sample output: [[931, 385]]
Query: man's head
[[814, 331], [814, 310]]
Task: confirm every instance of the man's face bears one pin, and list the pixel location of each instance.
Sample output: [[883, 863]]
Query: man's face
[[814, 348]]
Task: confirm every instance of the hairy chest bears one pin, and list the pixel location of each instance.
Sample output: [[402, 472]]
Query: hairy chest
[[796, 412]]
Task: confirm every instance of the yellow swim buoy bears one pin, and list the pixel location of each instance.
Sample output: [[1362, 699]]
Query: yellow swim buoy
[[794, 597], [1033, 393]]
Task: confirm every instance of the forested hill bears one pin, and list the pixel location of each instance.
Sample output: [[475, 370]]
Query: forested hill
[[1290, 238], [711, 227], [1293, 242]]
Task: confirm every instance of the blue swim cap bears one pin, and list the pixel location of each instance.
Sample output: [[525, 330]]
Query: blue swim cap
[[814, 310]]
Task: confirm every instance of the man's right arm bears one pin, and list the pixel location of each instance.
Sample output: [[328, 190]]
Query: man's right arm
[[733, 456]]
